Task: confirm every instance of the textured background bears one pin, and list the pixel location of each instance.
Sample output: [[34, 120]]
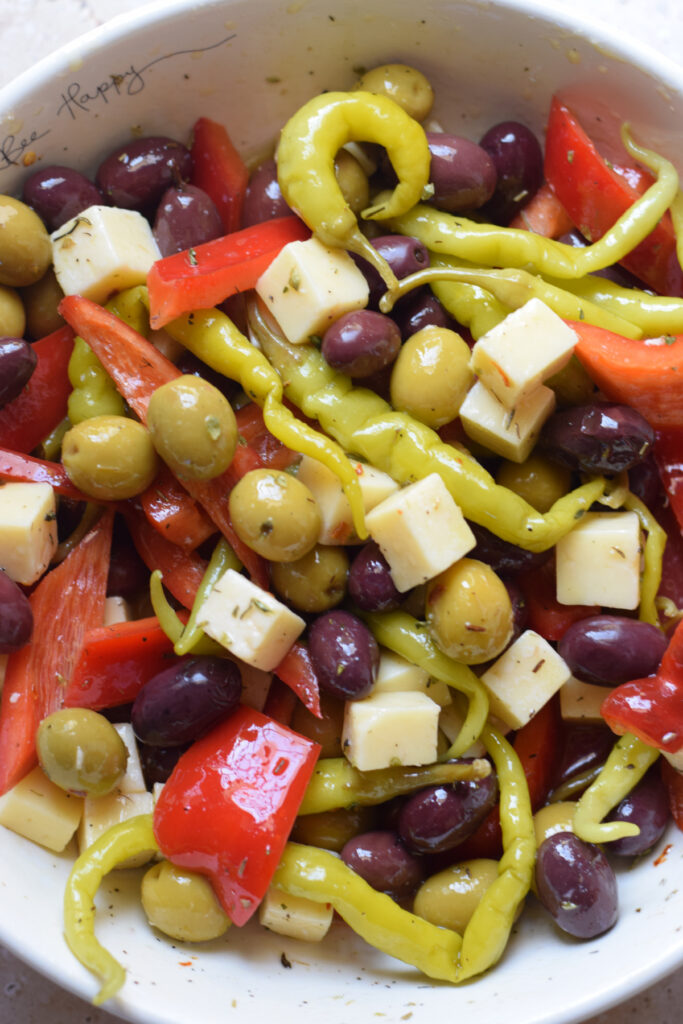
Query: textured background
[[30, 30]]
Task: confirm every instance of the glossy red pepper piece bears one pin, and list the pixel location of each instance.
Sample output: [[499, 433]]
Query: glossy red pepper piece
[[673, 781], [182, 571], [546, 615], [296, 670], [268, 450], [27, 469], [41, 406], [219, 170], [174, 513], [230, 803]]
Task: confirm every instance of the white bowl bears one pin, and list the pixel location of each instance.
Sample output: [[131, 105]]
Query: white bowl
[[249, 65]]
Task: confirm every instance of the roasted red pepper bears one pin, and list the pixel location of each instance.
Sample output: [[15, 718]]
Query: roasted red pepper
[[174, 513], [296, 670], [27, 469], [41, 406], [219, 170], [230, 803]]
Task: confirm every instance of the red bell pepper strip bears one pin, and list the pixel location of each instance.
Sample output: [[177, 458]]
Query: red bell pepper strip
[[280, 702], [115, 662], [202, 277], [219, 170], [66, 603], [647, 374], [296, 670], [668, 452], [652, 708], [270, 451], [544, 214], [230, 803], [41, 406], [595, 195], [27, 469], [546, 615], [673, 781], [182, 571], [173, 512]]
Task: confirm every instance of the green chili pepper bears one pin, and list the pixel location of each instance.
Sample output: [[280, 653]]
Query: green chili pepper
[[651, 574], [409, 638], [677, 219], [130, 838], [654, 315], [51, 446], [310, 141], [472, 306], [223, 558], [172, 624], [91, 514], [628, 761], [336, 783]]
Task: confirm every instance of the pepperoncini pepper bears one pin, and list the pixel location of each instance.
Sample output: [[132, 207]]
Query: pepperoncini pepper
[[628, 761]]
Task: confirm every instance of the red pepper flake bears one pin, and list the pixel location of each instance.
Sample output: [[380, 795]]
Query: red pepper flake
[[663, 855], [184, 963]]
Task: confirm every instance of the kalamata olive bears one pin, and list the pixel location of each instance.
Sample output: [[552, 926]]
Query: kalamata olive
[[263, 199], [128, 574], [182, 702], [462, 173], [383, 861], [518, 160], [158, 762], [17, 362], [370, 585], [612, 649], [189, 364], [585, 746], [439, 817], [186, 217], [419, 310], [647, 806], [597, 438], [59, 193], [520, 608], [136, 175], [344, 654], [576, 884], [361, 343], [16, 617], [404, 254], [501, 555]]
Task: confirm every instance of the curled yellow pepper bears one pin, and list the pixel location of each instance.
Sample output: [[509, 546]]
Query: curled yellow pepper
[[628, 761]]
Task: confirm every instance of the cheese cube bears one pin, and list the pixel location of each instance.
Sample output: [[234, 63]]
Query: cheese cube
[[103, 250], [581, 702], [451, 721], [28, 530], [390, 729], [420, 530], [524, 678], [116, 609], [598, 562], [40, 811], [133, 780], [397, 675], [308, 286], [102, 812], [511, 433], [248, 621], [335, 511], [517, 355], [295, 916]]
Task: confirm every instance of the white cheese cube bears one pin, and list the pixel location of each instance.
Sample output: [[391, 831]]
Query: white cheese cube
[[420, 531], [102, 812], [390, 729], [511, 433], [295, 916], [522, 351], [248, 621], [524, 678], [397, 675], [103, 250], [581, 702], [308, 286], [133, 780], [451, 721], [28, 530], [598, 562], [40, 811], [116, 609], [335, 512]]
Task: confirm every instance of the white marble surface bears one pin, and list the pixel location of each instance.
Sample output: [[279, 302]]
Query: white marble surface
[[30, 29]]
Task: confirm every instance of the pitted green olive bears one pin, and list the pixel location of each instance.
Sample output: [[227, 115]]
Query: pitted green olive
[[81, 751], [404, 84], [469, 612], [431, 376], [182, 904], [449, 898], [353, 181], [41, 302], [109, 457], [25, 247], [275, 514], [315, 582], [193, 427], [12, 315], [538, 480], [331, 830]]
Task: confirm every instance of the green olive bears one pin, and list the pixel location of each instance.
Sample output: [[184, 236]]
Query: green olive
[[405, 85], [81, 751], [353, 181], [315, 582], [538, 480], [193, 427], [25, 247], [449, 898], [182, 904], [327, 731], [553, 818], [109, 457], [12, 315], [572, 384], [431, 376], [41, 301], [469, 612], [275, 515], [331, 830]]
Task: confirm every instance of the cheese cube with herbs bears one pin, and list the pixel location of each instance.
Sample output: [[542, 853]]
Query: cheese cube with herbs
[[511, 433], [133, 780], [28, 530], [396, 675], [308, 286], [522, 351], [598, 562], [581, 702], [103, 250], [39, 810], [102, 812], [248, 621], [524, 678], [388, 729], [295, 916], [420, 531], [335, 511]]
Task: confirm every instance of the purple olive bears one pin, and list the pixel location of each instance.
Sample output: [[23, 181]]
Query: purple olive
[[128, 574], [404, 254], [344, 654], [597, 438], [383, 861], [136, 175], [585, 746], [644, 481], [18, 360], [501, 555], [59, 193], [518, 160], [361, 343], [462, 173], [370, 585], [263, 199], [186, 217], [612, 649], [16, 617], [440, 817], [158, 762], [576, 884], [418, 310], [647, 806]]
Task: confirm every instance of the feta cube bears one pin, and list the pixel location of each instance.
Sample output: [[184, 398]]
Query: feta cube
[[598, 562], [103, 250], [295, 916], [451, 721], [511, 433], [133, 780], [28, 530], [308, 286], [420, 531], [40, 811], [581, 702], [522, 351], [388, 729], [248, 621], [524, 678], [335, 511], [102, 812], [397, 675], [116, 609]]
